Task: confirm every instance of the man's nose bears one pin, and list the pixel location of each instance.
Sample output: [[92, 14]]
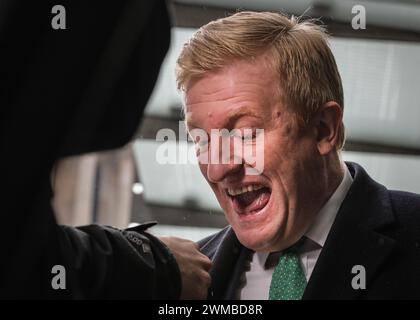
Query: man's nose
[[222, 167], [219, 172]]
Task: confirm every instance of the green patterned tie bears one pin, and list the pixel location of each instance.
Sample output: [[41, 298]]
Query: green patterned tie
[[288, 281]]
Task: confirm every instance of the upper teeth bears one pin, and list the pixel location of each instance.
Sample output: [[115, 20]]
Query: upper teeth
[[237, 191]]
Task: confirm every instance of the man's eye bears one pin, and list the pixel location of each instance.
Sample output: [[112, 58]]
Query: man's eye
[[248, 134]]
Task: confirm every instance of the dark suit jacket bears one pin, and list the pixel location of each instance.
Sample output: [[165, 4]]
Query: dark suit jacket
[[375, 227]]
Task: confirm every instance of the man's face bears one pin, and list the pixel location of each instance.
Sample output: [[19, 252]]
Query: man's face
[[270, 211]]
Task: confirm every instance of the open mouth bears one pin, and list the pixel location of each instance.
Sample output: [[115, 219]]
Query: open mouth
[[249, 199]]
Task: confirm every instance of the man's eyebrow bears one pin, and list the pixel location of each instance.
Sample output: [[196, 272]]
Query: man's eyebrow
[[233, 116]]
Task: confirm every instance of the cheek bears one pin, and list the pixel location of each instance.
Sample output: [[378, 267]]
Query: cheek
[[285, 154], [276, 155]]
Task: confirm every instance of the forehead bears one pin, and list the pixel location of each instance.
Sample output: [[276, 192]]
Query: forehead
[[241, 89]]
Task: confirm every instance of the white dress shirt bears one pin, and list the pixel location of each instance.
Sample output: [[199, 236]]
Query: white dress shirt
[[256, 281]]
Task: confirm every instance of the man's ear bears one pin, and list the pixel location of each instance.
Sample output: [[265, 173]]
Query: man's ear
[[327, 123]]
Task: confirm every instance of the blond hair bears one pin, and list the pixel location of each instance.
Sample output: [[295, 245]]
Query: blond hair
[[298, 50]]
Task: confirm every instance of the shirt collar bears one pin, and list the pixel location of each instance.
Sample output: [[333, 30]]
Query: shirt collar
[[319, 230]]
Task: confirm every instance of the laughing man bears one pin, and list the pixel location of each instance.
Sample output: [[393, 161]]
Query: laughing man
[[309, 226]]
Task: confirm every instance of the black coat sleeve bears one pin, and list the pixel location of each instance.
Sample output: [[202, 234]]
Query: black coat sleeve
[[108, 263]]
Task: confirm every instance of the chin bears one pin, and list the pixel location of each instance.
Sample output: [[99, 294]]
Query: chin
[[265, 236], [259, 245], [259, 242]]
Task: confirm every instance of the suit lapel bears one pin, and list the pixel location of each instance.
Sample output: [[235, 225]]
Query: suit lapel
[[238, 272], [228, 258], [354, 239]]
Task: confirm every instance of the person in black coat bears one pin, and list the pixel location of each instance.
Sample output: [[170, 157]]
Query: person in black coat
[[67, 91]]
